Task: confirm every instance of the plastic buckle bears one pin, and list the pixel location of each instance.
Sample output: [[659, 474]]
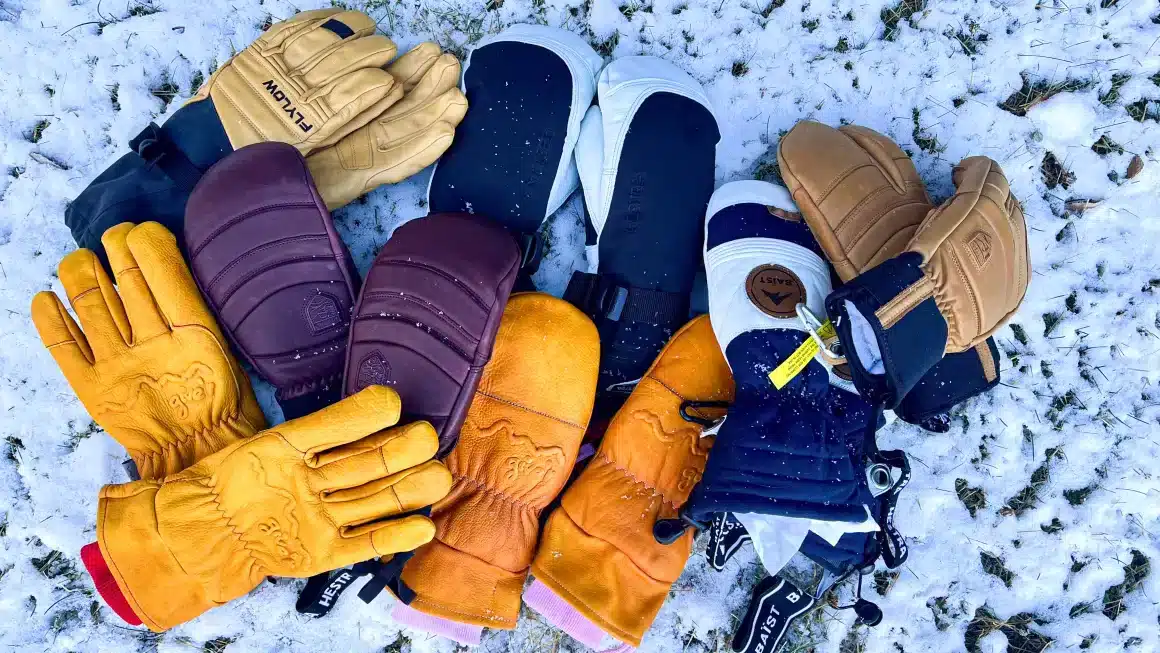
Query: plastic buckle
[[148, 144], [611, 299]]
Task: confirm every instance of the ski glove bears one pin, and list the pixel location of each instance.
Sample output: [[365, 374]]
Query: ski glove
[[863, 200], [515, 452], [404, 139], [151, 365], [960, 277], [599, 570], [311, 81], [309, 495], [265, 254]]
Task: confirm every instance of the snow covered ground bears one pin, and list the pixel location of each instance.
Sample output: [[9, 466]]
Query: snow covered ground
[[1036, 518]]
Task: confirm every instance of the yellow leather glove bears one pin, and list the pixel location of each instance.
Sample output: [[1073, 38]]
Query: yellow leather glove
[[151, 365], [409, 136], [308, 496], [307, 81]]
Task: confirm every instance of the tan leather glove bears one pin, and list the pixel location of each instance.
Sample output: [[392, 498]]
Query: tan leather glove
[[151, 365], [307, 81], [310, 495], [960, 277], [515, 452], [409, 136], [857, 190], [598, 561]]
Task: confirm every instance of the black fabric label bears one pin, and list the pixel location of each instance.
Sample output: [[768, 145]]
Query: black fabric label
[[726, 536], [775, 604]]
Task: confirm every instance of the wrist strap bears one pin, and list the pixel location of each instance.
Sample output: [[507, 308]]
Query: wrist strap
[[154, 146]]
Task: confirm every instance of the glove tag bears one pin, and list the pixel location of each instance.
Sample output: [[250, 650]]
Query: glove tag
[[775, 604], [726, 537]]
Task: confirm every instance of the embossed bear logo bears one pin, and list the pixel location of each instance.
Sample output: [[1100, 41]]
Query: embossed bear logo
[[528, 460], [182, 393]]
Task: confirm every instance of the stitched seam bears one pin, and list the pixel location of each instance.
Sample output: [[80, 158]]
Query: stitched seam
[[525, 408], [430, 330], [244, 216], [233, 528], [487, 489], [274, 243], [442, 606], [637, 481], [436, 271], [421, 302], [233, 288], [892, 311]]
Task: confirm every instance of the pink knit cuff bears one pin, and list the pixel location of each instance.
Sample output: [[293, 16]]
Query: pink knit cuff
[[453, 630], [560, 614]]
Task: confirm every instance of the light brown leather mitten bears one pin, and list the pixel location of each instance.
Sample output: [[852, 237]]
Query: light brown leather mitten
[[515, 452]]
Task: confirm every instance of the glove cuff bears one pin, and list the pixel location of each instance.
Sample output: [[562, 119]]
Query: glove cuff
[[598, 580], [150, 579], [106, 585], [560, 614], [451, 584], [890, 327], [455, 631], [953, 380]]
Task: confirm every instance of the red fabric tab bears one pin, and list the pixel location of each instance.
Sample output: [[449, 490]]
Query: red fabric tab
[[107, 585]]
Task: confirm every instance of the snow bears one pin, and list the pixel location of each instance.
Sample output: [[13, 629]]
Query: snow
[[1079, 375]]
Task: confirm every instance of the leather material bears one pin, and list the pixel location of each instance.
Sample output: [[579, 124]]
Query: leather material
[[307, 81], [974, 256], [598, 552], [409, 136], [148, 360], [858, 191], [516, 451], [267, 258], [426, 319], [307, 496]]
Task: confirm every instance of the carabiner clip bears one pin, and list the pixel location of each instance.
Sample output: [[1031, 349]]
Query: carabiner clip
[[697, 419], [831, 351]]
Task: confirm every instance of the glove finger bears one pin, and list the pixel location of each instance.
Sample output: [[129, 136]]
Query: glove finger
[[400, 493], [320, 68], [96, 304], [60, 334], [382, 538], [309, 33], [413, 154], [368, 411], [299, 21], [359, 98], [410, 68], [378, 455], [172, 286], [415, 112], [140, 307]]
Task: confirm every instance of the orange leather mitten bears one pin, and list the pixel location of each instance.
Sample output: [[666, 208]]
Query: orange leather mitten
[[599, 569], [515, 452]]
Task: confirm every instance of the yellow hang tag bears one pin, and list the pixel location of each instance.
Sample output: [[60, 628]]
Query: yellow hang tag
[[797, 361]]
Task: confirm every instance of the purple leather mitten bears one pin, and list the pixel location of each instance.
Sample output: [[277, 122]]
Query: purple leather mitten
[[267, 259], [427, 316]]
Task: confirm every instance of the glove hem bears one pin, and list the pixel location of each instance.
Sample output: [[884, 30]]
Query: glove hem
[[457, 631], [106, 585]]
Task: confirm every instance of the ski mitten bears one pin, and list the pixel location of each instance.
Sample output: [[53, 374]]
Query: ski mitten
[[788, 458], [516, 451], [646, 156], [268, 260], [309, 495], [148, 360], [863, 200], [426, 319], [598, 569], [511, 161]]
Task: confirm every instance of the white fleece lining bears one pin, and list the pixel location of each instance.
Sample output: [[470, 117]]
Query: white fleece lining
[[865, 342], [777, 538]]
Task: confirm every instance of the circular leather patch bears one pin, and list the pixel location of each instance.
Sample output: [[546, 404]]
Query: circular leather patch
[[843, 372], [775, 290]]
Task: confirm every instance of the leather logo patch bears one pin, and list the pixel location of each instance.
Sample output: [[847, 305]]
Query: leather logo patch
[[843, 372], [979, 248], [775, 290], [373, 370], [322, 313]]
